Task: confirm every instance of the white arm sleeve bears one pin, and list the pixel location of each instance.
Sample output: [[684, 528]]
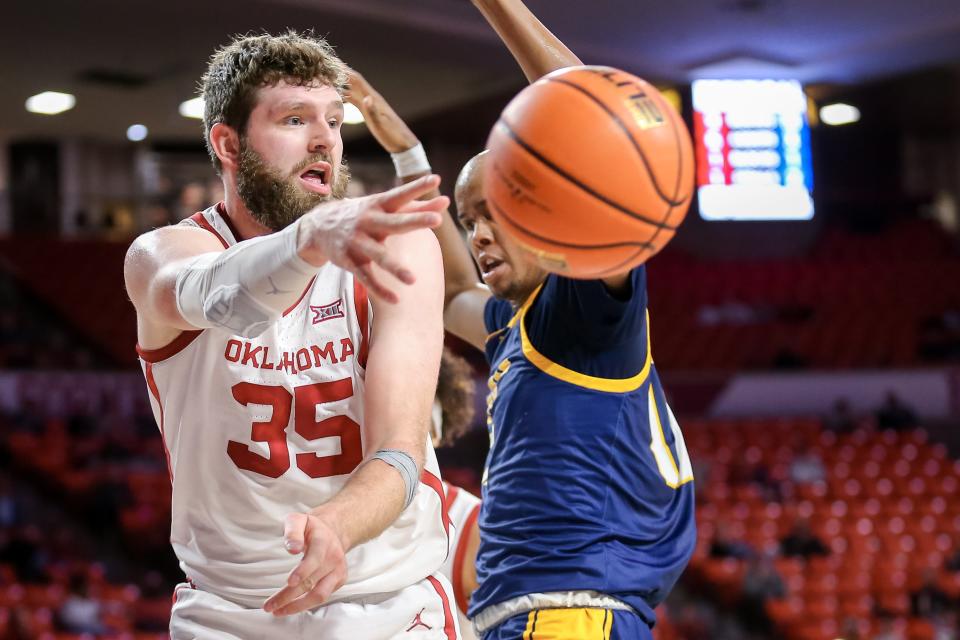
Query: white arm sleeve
[[245, 288]]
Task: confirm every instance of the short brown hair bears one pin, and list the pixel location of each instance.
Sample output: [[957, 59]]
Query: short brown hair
[[237, 70]]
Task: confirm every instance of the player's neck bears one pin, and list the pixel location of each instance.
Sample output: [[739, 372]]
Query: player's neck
[[243, 222]]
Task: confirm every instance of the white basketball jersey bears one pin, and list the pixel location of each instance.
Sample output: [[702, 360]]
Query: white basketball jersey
[[258, 428], [463, 508]]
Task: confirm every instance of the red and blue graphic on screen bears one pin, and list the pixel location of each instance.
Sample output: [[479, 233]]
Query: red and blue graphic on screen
[[753, 150]]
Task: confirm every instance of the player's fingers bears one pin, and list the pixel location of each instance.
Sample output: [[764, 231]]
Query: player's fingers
[[381, 224], [302, 579], [374, 286], [398, 196], [288, 594], [378, 253], [294, 528], [315, 597], [438, 204]]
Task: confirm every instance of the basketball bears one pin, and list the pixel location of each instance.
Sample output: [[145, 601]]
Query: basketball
[[591, 170]]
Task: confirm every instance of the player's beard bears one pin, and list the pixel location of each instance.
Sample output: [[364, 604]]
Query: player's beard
[[276, 201]]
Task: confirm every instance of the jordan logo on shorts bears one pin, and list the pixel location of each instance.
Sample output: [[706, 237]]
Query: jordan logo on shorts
[[417, 622]]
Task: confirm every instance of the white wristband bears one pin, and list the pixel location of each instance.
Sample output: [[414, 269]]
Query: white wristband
[[411, 162]]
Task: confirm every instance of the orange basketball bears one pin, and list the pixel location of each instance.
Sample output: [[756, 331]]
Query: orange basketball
[[591, 169]]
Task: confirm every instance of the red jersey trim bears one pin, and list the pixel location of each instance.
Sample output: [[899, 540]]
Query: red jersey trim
[[174, 347], [201, 220], [363, 319], [434, 483], [449, 626], [222, 210], [452, 492], [461, 554], [155, 391], [302, 296]]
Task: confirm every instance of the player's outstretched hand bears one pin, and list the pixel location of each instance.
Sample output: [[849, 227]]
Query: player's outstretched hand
[[322, 570], [387, 127], [351, 232]]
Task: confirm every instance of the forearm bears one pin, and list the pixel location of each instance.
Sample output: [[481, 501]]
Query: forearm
[[459, 270], [400, 384], [245, 288], [534, 47], [370, 501]]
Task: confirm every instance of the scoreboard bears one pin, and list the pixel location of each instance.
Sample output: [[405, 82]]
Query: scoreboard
[[752, 144]]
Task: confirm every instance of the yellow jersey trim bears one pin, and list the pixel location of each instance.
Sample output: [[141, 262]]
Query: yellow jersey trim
[[560, 372], [663, 441], [516, 316]]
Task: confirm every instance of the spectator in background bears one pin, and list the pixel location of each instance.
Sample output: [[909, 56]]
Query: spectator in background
[[11, 507], [929, 600], [946, 626], [850, 630], [888, 629], [894, 414], [761, 582], [80, 613], [800, 542], [840, 419], [953, 562], [21, 550], [727, 545], [807, 467]]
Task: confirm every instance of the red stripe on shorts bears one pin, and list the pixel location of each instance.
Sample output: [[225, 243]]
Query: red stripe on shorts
[[449, 626]]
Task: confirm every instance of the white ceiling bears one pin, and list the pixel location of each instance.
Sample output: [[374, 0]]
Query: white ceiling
[[429, 54]]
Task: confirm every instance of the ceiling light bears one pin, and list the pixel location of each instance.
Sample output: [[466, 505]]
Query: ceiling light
[[50, 102], [351, 115], [137, 132], [192, 108], [838, 114]]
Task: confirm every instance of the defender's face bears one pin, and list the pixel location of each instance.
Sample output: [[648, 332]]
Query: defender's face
[[296, 132], [505, 266]]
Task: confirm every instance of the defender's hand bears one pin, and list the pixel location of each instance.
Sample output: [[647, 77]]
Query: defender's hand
[[387, 127], [322, 570], [351, 232]]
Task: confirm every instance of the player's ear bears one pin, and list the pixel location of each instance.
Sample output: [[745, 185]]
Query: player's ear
[[225, 142]]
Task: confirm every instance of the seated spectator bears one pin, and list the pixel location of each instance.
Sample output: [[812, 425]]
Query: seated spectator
[[946, 626], [807, 467], [850, 630], [80, 613], [841, 418], [761, 582], [894, 414], [888, 629], [726, 545], [929, 601], [21, 550], [800, 542], [953, 562]]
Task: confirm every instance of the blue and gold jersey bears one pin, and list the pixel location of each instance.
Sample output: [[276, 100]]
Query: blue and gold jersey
[[588, 485]]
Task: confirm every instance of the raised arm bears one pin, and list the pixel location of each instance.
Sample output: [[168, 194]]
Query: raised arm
[[538, 52], [535, 48], [464, 294]]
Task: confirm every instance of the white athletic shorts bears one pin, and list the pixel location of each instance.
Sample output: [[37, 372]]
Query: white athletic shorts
[[422, 611]]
